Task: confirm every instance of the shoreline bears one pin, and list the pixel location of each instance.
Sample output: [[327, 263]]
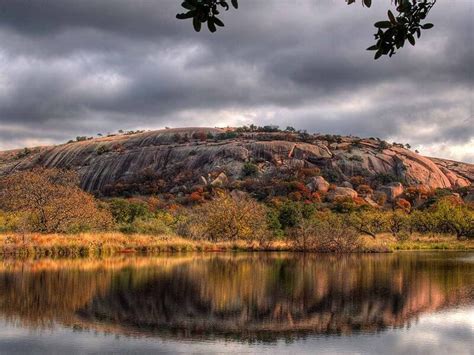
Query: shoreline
[[113, 243]]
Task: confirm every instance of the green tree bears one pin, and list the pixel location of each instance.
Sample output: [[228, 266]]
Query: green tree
[[456, 218], [127, 211]]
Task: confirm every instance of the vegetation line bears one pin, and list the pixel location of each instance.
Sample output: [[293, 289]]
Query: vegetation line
[[109, 244]]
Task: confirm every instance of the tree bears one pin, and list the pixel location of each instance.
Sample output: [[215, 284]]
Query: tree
[[455, 217], [50, 201], [127, 211], [391, 35], [368, 222], [227, 219]]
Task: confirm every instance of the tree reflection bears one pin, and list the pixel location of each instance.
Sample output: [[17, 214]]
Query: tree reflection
[[252, 297]]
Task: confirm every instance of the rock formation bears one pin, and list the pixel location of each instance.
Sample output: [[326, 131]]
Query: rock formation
[[181, 157]]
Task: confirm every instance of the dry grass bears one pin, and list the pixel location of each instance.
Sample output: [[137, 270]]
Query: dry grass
[[418, 242], [107, 244]]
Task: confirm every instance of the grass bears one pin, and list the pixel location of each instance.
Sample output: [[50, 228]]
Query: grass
[[107, 244], [419, 242]]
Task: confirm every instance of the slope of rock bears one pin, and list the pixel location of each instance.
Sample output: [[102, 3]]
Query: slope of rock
[[182, 156]]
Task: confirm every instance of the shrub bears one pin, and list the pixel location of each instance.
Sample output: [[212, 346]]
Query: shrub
[[369, 222], [102, 149], [364, 190], [384, 179], [380, 198], [325, 232], [23, 153], [127, 211], [398, 223], [227, 219], [344, 204], [423, 222], [403, 204], [249, 170], [455, 218], [358, 180], [290, 215], [158, 225], [49, 201]]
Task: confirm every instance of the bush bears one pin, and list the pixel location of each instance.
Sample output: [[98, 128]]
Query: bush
[[290, 215], [249, 170], [325, 232], [369, 222], [102, 149], [384, 179], [344, 204], [423, 222], [50, 201], [157, 225], [227, 219], [127, 211], [455, 217], [398, 223]]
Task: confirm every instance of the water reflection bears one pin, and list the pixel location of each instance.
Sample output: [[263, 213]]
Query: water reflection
[[262, 297]]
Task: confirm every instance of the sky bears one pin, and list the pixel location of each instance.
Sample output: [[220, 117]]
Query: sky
[[70, 68]]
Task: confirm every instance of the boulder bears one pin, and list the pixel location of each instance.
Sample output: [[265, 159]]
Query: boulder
[[371, 202], [220, 180], [347, 184], [342, 192], [392, 190], [318, 183]]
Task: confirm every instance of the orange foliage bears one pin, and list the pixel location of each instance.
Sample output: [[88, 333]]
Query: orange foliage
[[403, 204], [364, 190], [50, 200], [358, 180]]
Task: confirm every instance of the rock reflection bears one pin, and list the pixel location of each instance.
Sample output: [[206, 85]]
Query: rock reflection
[[264, 296]]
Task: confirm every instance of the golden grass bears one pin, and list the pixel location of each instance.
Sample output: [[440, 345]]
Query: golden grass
[[106, 244], [418, 242], [113, 243]]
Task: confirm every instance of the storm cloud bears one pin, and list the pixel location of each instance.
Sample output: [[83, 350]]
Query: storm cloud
[[70, 68]]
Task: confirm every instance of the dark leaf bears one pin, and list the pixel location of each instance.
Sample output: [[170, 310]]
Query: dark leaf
[[392, 18], [188, 14], [211, 25], [188, 6], [218, 22], [383, 24], [427, 26], [196, 24]]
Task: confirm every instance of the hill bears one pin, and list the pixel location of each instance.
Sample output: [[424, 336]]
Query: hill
[[176, 160]]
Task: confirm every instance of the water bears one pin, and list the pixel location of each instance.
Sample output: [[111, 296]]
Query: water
[[402, 303]]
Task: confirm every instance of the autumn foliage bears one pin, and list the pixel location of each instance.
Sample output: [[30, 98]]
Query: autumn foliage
[[50, 200]]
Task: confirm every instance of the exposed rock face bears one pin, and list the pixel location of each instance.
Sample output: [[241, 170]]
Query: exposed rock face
[[319, 184], [182, 156], [342, 192], [220, 180], [392, 190]]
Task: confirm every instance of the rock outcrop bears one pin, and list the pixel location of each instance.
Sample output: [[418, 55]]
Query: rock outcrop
[[342, 192], [392, 190], [182, 156], [318, 183]]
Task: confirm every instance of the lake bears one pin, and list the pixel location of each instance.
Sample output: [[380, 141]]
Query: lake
[[400, 303]]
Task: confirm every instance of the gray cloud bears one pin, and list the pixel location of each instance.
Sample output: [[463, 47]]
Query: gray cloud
[[70, 68]]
